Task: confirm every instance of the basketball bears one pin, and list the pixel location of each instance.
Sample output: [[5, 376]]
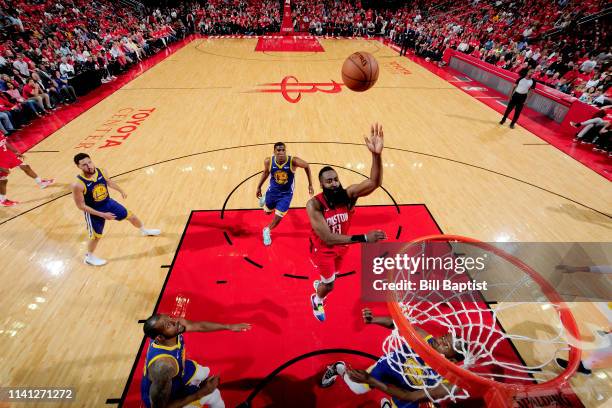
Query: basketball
[[360, 71]]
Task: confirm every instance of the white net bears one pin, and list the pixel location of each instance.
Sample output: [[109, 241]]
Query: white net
[[478, 337]]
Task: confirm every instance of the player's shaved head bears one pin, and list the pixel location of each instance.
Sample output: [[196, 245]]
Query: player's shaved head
[[161, 326], [149, 327]]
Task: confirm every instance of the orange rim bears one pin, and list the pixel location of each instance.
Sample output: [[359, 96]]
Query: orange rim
[[495, 393]]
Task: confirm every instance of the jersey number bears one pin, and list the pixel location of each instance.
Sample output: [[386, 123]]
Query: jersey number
[[336, 229]]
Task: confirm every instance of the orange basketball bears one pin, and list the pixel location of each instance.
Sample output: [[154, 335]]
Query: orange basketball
[[360, 71]]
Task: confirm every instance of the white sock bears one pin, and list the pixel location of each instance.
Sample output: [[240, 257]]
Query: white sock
[[2, 198], [143, 229], [38, 180], [213, 400], [355, 387]]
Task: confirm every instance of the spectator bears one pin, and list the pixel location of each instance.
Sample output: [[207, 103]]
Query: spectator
[[32, 92], [588, 65], [67, 91], [6, 127], [35, 106], [50, 90], [22, 66], [590, 127], [66, 68]]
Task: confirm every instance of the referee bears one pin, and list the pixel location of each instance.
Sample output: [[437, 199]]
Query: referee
[[519, 94]]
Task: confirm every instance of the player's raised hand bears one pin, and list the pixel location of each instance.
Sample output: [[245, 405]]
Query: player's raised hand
[[376, 235], [376, 140], [239, 327], [367, 315]]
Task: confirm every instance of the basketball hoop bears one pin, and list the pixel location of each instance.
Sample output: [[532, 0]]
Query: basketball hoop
[[477, 336]]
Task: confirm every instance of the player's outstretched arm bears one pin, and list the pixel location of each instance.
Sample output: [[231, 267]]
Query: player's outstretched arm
[[320, 227], [304, 164], [211, 326], [375, 145], [363, 377], [161, 373], [384, 321], [264, 176]]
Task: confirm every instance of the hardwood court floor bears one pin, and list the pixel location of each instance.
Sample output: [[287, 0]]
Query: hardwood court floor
[[206, 131]]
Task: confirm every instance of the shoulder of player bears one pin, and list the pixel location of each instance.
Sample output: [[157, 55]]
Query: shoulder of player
[[314, 205], [162, 368], [78, 185], [267, 164], [298, 162], [350, 190]]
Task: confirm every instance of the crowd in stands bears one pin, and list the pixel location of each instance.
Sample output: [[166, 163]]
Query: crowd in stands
[[52, 51], [510, 34], [253, 17]]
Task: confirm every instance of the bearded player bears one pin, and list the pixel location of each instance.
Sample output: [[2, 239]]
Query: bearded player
[[330, 215]]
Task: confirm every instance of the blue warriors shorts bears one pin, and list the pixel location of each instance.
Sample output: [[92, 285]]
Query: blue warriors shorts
[[278, 201], [383, 372], [95, 224]]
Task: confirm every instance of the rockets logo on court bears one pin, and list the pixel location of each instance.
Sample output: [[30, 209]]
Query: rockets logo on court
[[291, 89], [281, 177]]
